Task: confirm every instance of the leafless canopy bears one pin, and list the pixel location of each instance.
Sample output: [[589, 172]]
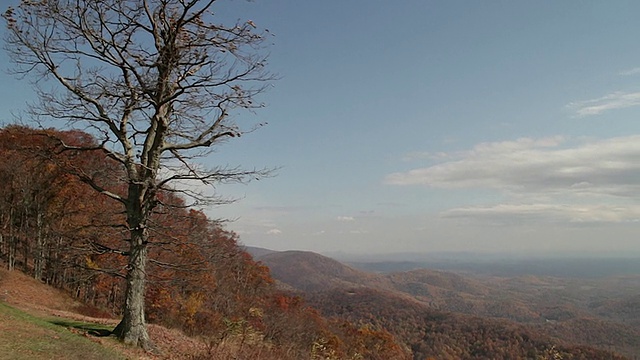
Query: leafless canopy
[[155, 80]]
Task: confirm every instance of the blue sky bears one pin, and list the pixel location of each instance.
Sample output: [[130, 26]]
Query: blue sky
[[420, 126]]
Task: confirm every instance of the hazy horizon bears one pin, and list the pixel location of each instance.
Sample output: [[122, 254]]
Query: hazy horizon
[[456, 254]]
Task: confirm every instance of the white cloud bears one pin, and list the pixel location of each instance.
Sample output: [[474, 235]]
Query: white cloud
[[613, 101], [346, 218], [542, 179], [274, 232], [608, 167]]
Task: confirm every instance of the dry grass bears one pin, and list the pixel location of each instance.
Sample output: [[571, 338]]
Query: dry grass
[[28, 337], [40, 322]]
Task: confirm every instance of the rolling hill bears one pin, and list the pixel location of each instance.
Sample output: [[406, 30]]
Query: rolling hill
[[560, 313], [445, 335]]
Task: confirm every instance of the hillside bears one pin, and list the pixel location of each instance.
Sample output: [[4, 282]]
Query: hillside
[[445, 335], [558, 311], [41, 322], [31, 312]]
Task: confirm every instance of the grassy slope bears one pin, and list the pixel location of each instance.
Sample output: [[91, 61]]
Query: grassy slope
[[23, 336], [39, 322]]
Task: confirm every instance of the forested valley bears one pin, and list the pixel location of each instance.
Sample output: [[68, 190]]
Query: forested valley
[[457, 315]]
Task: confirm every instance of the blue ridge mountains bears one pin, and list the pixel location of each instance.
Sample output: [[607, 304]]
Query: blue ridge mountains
[[575, 312]]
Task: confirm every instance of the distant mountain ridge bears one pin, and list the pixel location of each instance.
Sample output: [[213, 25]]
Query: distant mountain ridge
[[309, 272], [552, 306], [258, 252]]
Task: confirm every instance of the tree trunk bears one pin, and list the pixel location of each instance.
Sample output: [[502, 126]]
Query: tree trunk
[[39, 257], [11, 250], [132, 330], [11, 256], [24, 238]]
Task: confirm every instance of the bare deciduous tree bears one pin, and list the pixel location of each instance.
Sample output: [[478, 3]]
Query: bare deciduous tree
[[156, 82]]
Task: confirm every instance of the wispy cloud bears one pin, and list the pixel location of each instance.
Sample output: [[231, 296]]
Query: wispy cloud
[[358, 232], [573, 213], [613, 101], [630, 72], [424, 155], [274, 232], [592, 181], [281, 210], [346, 218]]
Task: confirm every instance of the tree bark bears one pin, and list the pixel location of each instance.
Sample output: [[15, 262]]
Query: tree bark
[[132, 329]]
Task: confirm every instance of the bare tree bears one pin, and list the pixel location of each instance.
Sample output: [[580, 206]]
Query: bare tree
[[156, 82]]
